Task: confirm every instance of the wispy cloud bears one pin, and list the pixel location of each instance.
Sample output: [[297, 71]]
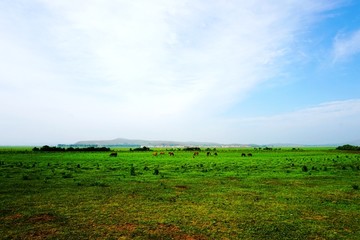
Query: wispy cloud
[[191, 52], [346, 45], [133, 66], [332, 122]]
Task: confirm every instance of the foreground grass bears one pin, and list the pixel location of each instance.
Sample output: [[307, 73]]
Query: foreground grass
[[138, 196]]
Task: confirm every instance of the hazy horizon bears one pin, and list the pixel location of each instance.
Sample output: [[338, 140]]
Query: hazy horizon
[[284, 144], [212, 71]]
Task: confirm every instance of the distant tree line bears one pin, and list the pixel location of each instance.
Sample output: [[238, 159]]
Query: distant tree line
[[77, 145], [192, 149], [140, 149], [348, 147], [47, 148]]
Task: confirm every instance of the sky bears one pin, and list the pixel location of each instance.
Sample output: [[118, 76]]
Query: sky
[[225, 71]]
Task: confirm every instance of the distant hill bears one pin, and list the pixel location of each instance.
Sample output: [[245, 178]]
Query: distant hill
[[151, 143], [124, 142]]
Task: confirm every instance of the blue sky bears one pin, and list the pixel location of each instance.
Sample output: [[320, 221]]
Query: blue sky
[[222, 71]]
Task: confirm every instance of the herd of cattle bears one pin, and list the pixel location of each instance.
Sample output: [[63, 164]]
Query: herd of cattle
[[163, 153], [114, 154]]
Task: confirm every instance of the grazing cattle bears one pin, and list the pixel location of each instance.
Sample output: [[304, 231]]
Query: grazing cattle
[[208, 154], [249, 154], [155, 154], [243, 155], [215, 154], [113, 154], [196, 154], [171, 154], [162, 153]]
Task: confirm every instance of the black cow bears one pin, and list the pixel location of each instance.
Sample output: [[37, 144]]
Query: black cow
[[243, 155], [113, 154]]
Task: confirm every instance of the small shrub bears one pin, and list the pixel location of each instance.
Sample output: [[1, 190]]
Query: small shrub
[[304, 168], [67, 175], [355, 187], [156, 171], [132, 171], [80, 184], [99, 184], [26, 177]]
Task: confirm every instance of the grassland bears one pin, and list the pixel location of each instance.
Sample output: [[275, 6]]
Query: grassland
[[278, 194]]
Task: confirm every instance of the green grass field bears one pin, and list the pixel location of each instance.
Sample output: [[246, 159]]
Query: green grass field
[[283, 194]]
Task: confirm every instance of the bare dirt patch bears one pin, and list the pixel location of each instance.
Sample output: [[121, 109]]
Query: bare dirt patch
[[127, 227], [13, 217], [42, 234], [42, 218], [174, 232]]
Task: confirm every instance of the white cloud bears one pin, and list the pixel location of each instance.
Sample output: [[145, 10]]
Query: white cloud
[[205, 52], [101, 68], [346, 46], [332, 122]]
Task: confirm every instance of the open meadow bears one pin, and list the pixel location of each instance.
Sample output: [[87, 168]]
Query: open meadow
[[308, 193]]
